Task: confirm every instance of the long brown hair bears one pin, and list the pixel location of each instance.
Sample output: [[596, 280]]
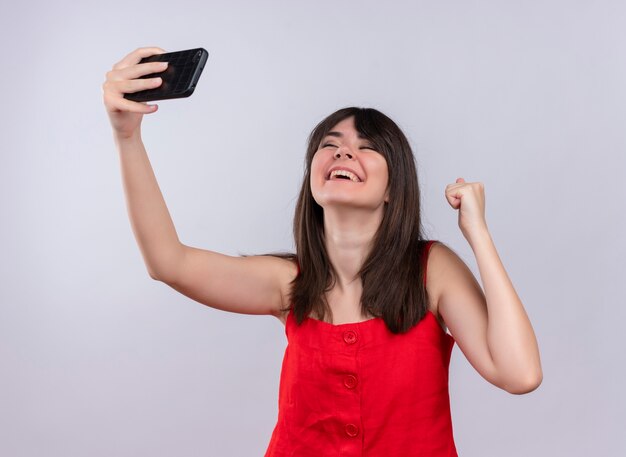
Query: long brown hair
[[392, 274]]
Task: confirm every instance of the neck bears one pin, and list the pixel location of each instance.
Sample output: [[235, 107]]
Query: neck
[[348, 236]]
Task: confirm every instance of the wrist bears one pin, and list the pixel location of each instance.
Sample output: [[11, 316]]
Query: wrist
[[478, 236], [127, 137]]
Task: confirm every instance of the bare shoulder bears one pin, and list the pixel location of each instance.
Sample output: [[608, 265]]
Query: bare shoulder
[[441, 259], [459, 299], [438, 257], [447, 276]]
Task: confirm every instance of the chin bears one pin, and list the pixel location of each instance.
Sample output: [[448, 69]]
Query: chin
[[346, 203], [327, 199]]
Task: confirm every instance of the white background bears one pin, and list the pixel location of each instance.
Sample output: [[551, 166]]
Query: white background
[[97, 359]]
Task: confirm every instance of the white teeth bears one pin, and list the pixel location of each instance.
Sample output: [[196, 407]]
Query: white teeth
[[347, 174]]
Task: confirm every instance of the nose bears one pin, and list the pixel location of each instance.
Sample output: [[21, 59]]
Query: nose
[[340, 152]]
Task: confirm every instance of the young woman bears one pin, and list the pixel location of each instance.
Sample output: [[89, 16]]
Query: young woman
[[365, 372]]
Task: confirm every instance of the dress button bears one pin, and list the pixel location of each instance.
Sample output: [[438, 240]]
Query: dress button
[[350, 381], [350, 337], [352, 430]]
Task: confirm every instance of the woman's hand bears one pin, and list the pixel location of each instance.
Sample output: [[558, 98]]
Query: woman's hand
[[469, 199], [126, 115]]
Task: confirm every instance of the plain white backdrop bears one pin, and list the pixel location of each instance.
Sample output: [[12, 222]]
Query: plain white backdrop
[[97, 359]]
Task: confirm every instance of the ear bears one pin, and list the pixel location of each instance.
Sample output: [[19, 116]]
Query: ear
[[387, 195]]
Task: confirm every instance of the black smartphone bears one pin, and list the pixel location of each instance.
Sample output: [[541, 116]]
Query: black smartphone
[[179, 78]]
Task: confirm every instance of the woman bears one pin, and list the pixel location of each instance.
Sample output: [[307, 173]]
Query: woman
[[366, 368]]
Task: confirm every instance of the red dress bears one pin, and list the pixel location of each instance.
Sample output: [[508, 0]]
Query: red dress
[[359, 390]]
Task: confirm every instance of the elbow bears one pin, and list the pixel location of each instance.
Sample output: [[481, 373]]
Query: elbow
[[163, 272], [165, 267], [156, 275], [525, 386], [161, 278], [153, 275]]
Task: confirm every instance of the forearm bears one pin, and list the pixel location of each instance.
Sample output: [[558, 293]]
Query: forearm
[[510, 336], [149, 217]]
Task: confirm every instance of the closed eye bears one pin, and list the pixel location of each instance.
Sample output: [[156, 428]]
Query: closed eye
[[362, 147]]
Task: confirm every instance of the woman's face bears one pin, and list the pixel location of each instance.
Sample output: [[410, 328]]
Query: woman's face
[[347, 171]]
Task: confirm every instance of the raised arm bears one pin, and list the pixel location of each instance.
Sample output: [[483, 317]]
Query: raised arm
[[492, 327], [250, 285]]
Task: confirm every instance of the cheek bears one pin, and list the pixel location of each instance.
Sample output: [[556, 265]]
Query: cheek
[[382, 173], [316, 173], [317, 168], [317, 190]]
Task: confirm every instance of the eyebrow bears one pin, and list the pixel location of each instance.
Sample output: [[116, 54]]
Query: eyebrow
[[340, 135]]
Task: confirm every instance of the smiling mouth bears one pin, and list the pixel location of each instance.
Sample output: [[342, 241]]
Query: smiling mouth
[[336, 175]]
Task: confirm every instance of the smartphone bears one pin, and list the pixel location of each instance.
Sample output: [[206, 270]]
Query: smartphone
[[179, 79]]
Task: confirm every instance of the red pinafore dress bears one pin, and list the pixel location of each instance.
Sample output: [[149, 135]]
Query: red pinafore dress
[[359, 390]]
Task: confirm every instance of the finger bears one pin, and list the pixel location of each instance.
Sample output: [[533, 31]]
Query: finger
[[136, 71], [459, 182], [116, 89], [453, 201], [135, 56], [455, 186], [455, 191], [135, 85], [122, 104]]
